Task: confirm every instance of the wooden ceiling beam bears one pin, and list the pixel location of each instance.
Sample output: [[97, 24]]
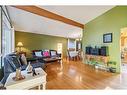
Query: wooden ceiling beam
[[48, 14]]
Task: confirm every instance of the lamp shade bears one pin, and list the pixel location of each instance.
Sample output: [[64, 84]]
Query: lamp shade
[[19, 44]]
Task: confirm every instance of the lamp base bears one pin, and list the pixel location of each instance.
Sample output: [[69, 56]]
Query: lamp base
[[18, 78], [18, 75]]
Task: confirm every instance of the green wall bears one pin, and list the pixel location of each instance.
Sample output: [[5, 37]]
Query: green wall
[[110, 22], [32, 41]]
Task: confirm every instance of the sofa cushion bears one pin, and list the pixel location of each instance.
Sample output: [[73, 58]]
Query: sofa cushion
[[53, 53], [46, 53], [33, 52], [38, 53]]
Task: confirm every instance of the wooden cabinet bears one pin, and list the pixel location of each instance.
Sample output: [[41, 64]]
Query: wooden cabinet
[[97, 58]]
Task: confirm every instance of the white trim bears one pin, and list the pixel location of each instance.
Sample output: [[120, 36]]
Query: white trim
[[0, 55], [13, 39], [0, 33]]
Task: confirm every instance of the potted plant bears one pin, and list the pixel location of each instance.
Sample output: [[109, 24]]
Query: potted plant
[[112, 66]]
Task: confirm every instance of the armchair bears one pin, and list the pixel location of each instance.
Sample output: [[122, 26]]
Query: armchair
[[12, 62]]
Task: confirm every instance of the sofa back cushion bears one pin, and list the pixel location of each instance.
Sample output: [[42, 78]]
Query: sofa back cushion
[[45, 53]]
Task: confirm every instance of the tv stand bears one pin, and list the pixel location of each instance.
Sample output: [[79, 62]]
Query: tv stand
[[97, 58]]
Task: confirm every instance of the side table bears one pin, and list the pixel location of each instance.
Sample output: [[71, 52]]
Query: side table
[[29, 81]]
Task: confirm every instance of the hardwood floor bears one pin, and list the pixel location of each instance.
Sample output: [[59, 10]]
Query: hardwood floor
[[76, 75]]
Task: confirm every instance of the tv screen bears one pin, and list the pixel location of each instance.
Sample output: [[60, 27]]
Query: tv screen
[[88, 50], [95, 51]]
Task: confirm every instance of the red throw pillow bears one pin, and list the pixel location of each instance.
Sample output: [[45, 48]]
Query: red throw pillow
[[46, 53]]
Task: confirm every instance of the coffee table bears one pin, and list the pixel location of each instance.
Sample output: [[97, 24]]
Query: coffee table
[[29, 81], [47, 60], [31, 59]]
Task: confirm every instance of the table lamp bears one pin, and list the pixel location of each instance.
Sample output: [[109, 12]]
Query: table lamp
[[20, 45]]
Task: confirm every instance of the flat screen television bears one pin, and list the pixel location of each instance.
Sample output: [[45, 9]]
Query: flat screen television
[[95, 51], [88, 50]]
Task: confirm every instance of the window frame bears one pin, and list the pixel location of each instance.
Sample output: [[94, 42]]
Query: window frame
[[1, 36], [4, 12]]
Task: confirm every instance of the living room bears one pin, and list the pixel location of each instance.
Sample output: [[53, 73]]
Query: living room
[[96, 39], [36, 44]]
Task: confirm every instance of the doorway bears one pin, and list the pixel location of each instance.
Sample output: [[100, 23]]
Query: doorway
[[123, 45]]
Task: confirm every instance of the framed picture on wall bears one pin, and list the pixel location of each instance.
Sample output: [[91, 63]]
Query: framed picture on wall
[[107, 38]]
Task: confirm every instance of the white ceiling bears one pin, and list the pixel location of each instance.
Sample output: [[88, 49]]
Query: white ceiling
[[82, 14], [28, 22]]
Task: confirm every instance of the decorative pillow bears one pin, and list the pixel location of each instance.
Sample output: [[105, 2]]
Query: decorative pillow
[[23, 59], [38, 53], [46, 53], [53, 53]]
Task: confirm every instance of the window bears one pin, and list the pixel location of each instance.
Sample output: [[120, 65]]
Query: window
[[7, 35]]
